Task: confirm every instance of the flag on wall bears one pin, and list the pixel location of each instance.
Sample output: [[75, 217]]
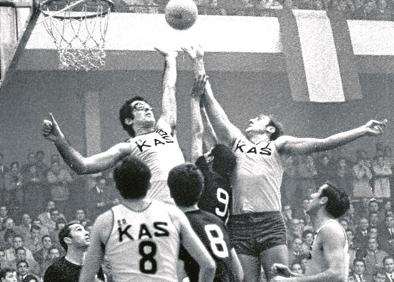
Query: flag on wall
[[319, 56]]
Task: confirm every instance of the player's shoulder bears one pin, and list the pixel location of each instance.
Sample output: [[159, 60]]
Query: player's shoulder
[[332, 231]]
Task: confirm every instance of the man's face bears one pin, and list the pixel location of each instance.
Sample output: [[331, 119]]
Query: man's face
[[47, 242], [21, 255], [10, 277], [380, 277], [54, 253], [26, 219], [80, 214], [372, 244], [35, 233], [389, 265], [55, 215], [50, 205], [17, 242], [309, 239], [80, 237], [364, 224], [314, 202], [373, 218], [143, 113], [3, 211], [9, 223], [349, 235], [297, 245], [22, 268], [359, 267], [296, 268], [373, 207], [389, 221], [258, 124]]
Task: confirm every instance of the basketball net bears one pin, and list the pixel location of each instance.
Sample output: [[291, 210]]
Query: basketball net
[[78, 31]]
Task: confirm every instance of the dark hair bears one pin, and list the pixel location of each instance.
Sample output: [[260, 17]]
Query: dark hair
[[357, 260], [278, 127], [65, 232], [35, 227], [9, 233], [22, 261], [45, 236], [20, 248], [30, 277], [132, 177], [127, 112], [5, 270], [59, 221], [338, 201], [386, 258], [306, 232], [224, 160], [186, 183]]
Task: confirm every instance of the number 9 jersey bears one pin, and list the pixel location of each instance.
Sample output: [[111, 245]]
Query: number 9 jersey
[[214, 236], [143, 245]]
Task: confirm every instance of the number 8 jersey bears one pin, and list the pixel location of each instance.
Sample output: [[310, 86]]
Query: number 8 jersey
[[143, 245]]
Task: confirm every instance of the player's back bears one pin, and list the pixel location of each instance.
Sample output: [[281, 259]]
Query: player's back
[[143, 245], [217, 194], [214, 236]]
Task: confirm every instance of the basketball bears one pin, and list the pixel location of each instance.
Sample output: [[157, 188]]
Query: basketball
[[181, 14]]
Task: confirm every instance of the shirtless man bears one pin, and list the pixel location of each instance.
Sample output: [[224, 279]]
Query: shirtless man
[[153, 142], [329, 256]]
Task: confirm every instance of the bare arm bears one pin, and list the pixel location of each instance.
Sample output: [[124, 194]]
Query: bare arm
[[289, 144], [95, 254], [74, 159], [168, 117], [196, 119], [236, 266], [333, 242], [209, 136], [195, 248], [224, 129]]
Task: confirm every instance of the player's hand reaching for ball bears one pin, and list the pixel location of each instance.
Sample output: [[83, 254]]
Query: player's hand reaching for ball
[[194, 52], [375, 127], [199, 86], [167, 53], [51, 130]]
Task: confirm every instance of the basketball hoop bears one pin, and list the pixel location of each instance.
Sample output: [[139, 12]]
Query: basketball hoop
[[78, 29]]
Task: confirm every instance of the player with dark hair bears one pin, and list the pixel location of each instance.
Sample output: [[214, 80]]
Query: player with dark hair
[[256, 225], [141, 237], [217, 165], [153, 142], [329, 255], [75, 241], [186, 184]]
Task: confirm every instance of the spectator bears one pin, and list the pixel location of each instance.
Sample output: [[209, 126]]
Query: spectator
[[3, 259], [324, 170], [80, 216], [296, 251], [343, 176], [31, 160], [388, 156], [9, 225], [33, 188], [305, 173], [3, 215], [8, 275], [382, 174], [21, 256], [287, 215], [59, 180], [307, 241], [99, 197], [301, 213], [382, 13], [379, 276], [17, 242], [296, 268], [33, 242], [388, 264], [361, 234], [30, 278], [386, 232], [53, 255], [362, 176], [373, 219], [359, 271], [45, 217], [22, 269], [42, 167], [42, 254], [373, 257], [13, 194], [25, 226], [60, 223]]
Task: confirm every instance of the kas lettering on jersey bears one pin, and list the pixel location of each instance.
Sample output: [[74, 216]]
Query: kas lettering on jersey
[[157, 229], [144, 144], [242, 147]]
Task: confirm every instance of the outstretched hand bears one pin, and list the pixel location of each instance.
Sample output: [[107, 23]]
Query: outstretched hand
[[199, 85], [51, 129], [194, 52], [281, 269], [375, 127], [167, 53]]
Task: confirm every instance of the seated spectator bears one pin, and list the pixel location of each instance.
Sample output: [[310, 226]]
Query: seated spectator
[[18, 242], [8, 239], [32, 264], [3, 260], [60, 223], [296, 251], [382, 12], [287, 215], [373, 257], [30, 278], [301, 213], [40, 163], [42, 254], [13, 194], [25, 225], [352, 251], [379, 276], [33, 242], [373, 219], [8, 275], [388, 267], [294, 230], [22, 270], [386, 232], [361, 234], [296, 268], [43, 228], [100, 197], [33, 188], [359, 271], [80, 216], [45, 217], [9, 225], [3, 213], [307, 241]]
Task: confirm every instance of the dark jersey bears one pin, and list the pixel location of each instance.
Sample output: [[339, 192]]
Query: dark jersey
[[214, 236], [217, 195], [64, 271]]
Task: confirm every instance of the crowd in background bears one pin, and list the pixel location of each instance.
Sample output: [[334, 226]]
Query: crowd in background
[[352, 9], [39, 196]]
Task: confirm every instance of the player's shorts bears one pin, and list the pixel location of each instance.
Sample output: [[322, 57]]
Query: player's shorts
[[253, 233]]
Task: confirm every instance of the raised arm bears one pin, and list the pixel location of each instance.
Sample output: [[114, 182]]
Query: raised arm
[[224, 129], [196, 119], [294, 145], [74, 159], [195, 247], [95, 255], [209, 135], [167, 119]]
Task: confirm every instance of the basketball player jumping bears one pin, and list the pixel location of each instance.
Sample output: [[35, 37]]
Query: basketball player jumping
[[141, 237], [153, 142], [330, 258], [256, 226]]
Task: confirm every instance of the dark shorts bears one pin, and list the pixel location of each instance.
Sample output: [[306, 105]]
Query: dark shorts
[[253, 233]]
